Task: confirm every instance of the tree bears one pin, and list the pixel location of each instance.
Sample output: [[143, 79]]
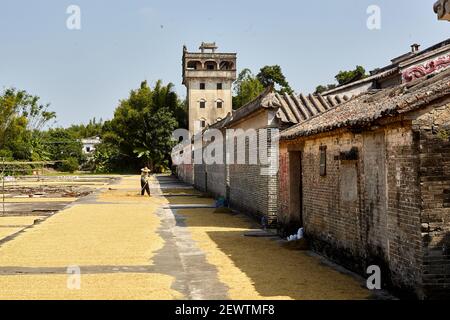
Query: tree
[[81, 131], [21, 117], [61, 145], [273, 75], [107, 158], [247, 87], [320, 89], [345, 77], [156, 143], [142, 127]]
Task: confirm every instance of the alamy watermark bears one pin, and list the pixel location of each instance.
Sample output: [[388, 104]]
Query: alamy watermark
[[73, 22], [73, 278], [374, 19], [374, 280], [238, 146]]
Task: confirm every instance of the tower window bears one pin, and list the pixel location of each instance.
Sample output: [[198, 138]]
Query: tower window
[[219, 86], [202, 86], [202, 123], [202, 104], [219, 104], [211, 65]]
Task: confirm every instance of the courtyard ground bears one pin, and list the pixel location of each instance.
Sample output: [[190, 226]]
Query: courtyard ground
[[173, 245]]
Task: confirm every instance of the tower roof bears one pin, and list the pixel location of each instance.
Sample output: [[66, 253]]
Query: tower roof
[[208, 46], [210, 64]]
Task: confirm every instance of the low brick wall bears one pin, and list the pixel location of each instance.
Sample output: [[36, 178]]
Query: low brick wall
[[200, 178], [185, 173], [217, 180]]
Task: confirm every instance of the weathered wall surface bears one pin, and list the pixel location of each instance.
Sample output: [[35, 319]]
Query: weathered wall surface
[[331, 203], [433, 128], [217, 177], [403, 205], [210, 95], [366, 209], [217, 174], [200, 177], [251, 191], [185, 173]]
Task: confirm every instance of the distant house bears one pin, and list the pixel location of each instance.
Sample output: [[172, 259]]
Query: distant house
[[89, 144], [403, 69]]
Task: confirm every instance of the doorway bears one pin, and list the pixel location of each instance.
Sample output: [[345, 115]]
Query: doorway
[[295, 187]]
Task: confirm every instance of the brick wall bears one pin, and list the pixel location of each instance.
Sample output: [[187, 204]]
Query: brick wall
[[200, 177], [403, 205], [252, 192], [217, 178], [331, 203], [185, 173], [366, 209], [433, 129]]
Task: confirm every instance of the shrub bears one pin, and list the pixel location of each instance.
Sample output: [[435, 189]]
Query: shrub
[[70, 165]]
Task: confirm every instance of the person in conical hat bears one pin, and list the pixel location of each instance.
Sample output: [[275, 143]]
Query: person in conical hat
[[145, 176]]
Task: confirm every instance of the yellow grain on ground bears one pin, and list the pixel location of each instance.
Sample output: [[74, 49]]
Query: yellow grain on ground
[[19, 221], [128, 286], [181, 191], [128, 183], [56, 183], [129, 196], [110, 234], [88, 235], [190, 200], [259, 268], [38, 200], [6, 232]]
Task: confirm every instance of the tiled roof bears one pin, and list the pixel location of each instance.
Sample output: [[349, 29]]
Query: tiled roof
[[365, 109], [290, 109], [394, 67]]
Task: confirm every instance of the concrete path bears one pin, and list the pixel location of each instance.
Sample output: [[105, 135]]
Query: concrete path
[[116, 244]]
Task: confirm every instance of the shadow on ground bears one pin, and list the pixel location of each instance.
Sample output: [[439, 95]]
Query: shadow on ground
[[272, 270]]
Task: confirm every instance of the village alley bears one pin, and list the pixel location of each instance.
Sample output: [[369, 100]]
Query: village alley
[[115, 244]]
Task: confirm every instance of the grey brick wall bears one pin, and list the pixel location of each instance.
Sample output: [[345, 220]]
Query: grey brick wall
[[253, 192], [368, 211], [433, 132], [200, 177], [185, 173], [217, 180]]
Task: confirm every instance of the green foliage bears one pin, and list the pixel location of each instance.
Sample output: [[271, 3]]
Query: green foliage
[[320, 89], [70, 165], [273, 75], [247, 88], [61, 145], [141, 130], [345, 77], [21, 115], [92, 129], [107, 159]]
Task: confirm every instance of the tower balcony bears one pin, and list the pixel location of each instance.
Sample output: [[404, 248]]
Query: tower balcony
[[220, 74]]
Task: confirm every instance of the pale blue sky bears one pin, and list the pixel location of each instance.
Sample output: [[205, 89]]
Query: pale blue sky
[[84, 73]]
